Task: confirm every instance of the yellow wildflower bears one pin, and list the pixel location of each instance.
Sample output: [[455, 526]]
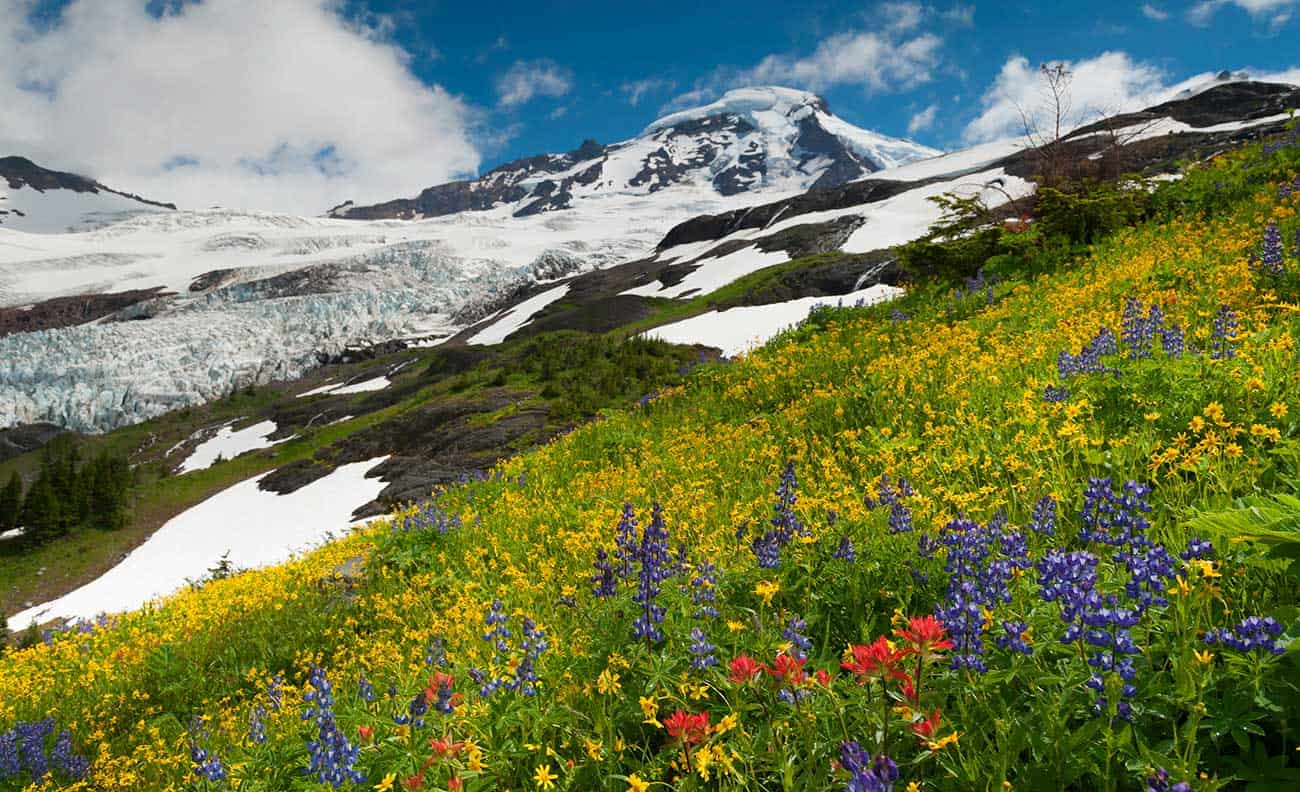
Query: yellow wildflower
[[728, 722], [1196, 424], [735, 626], [912, 786], [386, 783], [942, 742], [595, 749], [636, 784], [1204, 658], [607, 683], [767, 589], [1206, 568], [544, 778], [1277, 410]]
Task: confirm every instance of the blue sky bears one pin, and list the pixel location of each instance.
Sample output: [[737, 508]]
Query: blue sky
[[601, 50], [297, 105]]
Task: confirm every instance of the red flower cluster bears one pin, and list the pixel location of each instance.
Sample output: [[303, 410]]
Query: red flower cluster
[[877, 660], [744, 668], [687, 727], [924, 636]]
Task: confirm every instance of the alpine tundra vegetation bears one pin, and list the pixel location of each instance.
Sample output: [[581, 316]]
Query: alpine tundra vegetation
[[1032, 526]]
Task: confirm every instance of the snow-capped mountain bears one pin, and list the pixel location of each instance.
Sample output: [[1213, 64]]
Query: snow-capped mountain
[[751, 139], [233, 298], [42, 201]]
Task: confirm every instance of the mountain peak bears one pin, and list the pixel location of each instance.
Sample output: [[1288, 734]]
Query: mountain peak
[[746, 102]]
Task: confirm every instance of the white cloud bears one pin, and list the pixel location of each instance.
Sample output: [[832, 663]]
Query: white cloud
[[283, 105], [1276, 12], [1109, 83], [876, 62], [1151, 12], [891, 56], [923, 120], [528, 79], [636, 90], [959, 16]]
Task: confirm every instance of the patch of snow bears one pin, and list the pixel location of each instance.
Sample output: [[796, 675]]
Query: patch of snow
[[518, 316], [954, 163], [365, 386], [228, 444], [713, 274], [57, 211], [12, 533], [326, 388], [909, 215], [741, 329], [256, 527]]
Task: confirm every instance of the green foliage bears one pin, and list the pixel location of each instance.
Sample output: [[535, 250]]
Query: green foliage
[[69, 495], [1269, 523], [11, 503], [1083, 212]]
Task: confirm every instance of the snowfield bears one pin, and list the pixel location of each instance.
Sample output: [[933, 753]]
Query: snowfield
[[514, 318], [228, 444], [738, 330], [257, 528]]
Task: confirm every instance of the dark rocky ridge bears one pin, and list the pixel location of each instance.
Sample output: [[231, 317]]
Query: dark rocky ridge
[[21, 172], [69, 311]]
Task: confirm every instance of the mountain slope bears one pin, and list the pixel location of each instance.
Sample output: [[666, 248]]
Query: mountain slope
[[866, 468], [37, 200], [252, 297], [751, 139]]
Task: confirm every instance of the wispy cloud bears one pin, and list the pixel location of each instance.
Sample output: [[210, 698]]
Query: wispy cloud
[[923, 120], [528, 79], [1275, 12], [1152, 12], [636, 90]]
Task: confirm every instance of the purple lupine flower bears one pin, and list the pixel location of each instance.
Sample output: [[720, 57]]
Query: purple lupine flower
[[1043, 518], [1250, 634], [702, 652], [1197, 548], [1135, 330], [1224, 335], [257, 725], [1054, 394], [866, 774], [799, 643], [206, 765], [604, 583], [900, 519], [332, 757], [654, 566], [625, 542], [1158, 781], [1115, 518], [845, 551], [1013, 637], [1172, 341], [702, 583], [1270, 254]]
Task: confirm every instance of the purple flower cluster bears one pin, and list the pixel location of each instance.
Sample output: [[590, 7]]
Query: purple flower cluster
[[429, 516], [845, 550], [604, 582], [1043, 518], [332, 757], [206, 765], [654, 565], [1158, 781], [793, 633], [1224, 335], [1251, 634], [257, 725], [23, 751], [532, 645], [1270, 251], [981, 562], [1053, 394], [1138, 329], [1013, 638], [1115, 518], [702, 652], [1088, 361], [702, 583], [786, 525], [867, 774], [887, 494]]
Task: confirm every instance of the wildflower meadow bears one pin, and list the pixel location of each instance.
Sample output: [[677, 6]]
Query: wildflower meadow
[[1038, 532]]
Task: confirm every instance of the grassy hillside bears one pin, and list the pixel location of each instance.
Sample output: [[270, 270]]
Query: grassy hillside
[[1068, 519]]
